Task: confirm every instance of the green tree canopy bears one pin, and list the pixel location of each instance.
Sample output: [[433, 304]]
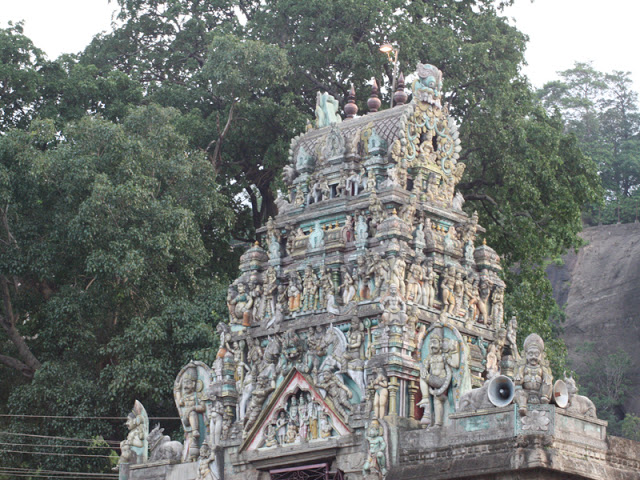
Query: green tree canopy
[[114, 244], [602, 111]]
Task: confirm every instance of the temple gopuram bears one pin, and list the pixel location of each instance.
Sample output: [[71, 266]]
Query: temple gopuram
[[366, 335]]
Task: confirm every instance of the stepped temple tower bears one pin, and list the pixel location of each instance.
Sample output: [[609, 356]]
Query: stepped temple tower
[[366, 335]]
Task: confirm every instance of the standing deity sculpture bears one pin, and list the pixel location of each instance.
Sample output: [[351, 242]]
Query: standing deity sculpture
[[414, 284], [353, 183], [375, 466], [135, 448], [270, 294], [376, 210], [326, 294], [316, 237], [294, 292], [397, 269], [273, 240], [208, 468], [347, 286], [362, 232], [497, 307], [429, 285], [379, 271], [191, 399], [458, 289], [435, 376], [309, 290], [484, 291], [533, 378], [447, 289], [380, 390], [341, 188], [348, 233]]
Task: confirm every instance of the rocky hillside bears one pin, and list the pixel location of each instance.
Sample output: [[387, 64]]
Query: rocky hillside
[[600, 288]]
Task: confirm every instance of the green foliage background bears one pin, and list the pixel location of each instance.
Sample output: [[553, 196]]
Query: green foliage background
[[130, 171]]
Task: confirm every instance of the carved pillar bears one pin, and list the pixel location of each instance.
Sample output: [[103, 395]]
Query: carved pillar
[[413, 389], [393, 396], [336, 280]]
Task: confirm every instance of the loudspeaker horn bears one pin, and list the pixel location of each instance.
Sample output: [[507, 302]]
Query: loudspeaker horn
[[501, 390], [560, 395]]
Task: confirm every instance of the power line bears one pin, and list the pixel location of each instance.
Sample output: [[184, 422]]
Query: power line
[[55, 453], [72, 417], [49, 475], [113, 442], [57, 446], [16, 470]]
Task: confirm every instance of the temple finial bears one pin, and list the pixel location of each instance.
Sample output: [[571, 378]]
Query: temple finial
[[399, 96], [351, 109], [374, 102]]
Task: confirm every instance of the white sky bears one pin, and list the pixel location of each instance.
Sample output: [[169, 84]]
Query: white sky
[[561, 31]]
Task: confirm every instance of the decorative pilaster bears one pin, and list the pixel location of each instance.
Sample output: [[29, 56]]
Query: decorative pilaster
[[393, 396]]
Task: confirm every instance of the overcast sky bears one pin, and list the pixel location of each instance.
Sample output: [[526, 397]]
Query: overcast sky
[[561, 31]]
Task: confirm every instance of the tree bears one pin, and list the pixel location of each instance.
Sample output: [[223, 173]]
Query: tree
[[20, 65], [602, 111], [605, 379], [114, 249]]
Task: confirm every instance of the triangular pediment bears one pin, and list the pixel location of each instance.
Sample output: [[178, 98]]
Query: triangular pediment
[[288, 418]]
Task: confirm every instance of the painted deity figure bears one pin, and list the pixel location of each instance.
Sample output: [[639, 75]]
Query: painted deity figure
[[447, 289], [135, 448], [397, 270], [348, 229], [429, 285], [312, 415], [533, 378], [241, 304], [326, 294], [347, 286], [394, 308], [191, 403], [353, 183], [436, 374], [270, 294], [337, 391], [294, 292], [326, 428], [207, 467], [309, 289], [303, 419], [352, 360], [273, 240], [376, 461], [259, 395], [483, 302], [414, 284], [380, 387], [380, 273], [497, 307]]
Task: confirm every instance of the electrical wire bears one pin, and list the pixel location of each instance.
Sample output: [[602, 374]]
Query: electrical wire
[[50, 475], [61, 473], [56, 453], [71, 417], [112, 442], [56, 446]]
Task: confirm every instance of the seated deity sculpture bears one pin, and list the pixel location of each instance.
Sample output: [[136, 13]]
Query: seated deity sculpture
[[533, 378], [394, 308]]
